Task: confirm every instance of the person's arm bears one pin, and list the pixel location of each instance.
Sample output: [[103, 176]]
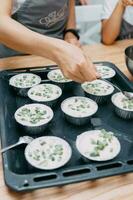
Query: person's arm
[[71, 24], [111, 27], [69, 58]]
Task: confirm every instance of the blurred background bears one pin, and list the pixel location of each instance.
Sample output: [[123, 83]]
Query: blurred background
[[88, 16]]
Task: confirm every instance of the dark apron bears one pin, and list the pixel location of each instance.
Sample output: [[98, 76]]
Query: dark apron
[[47, 17], [126, 31]]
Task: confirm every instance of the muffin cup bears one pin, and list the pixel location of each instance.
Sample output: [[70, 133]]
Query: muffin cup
[[82, 142], [107, 77], [22, 91], [64, 85], [79, 121], [41, 152], [34, 129], [76, 120], [100, 99], [125, 114], [52, 102]]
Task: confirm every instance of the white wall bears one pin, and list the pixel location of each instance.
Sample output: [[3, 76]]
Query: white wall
[[91, 26], [95, 1]]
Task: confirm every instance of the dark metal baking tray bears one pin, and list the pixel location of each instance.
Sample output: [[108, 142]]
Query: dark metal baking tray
[[20, 176]]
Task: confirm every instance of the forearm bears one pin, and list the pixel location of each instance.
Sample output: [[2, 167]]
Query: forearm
[[68, 57], [111, 27], [20, 38], [71, 23]]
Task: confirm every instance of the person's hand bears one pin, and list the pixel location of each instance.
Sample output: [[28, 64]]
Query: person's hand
[[72, 39], [83, 2], [74, 64], [126, 2]]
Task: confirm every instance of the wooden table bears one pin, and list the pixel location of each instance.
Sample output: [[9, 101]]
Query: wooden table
[[112, 188]]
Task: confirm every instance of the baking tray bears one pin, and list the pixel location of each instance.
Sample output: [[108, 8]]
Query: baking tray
[[20, 176]]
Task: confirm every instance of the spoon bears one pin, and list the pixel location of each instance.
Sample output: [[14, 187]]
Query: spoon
[[126, 94], [22, 140]]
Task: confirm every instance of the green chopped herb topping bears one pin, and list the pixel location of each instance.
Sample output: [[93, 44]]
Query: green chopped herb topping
[[58, 76], [101, 143], [52, 153], [25, 81], [97, 88], [127, 103], [103, 71], [45, 91], [33, 115], [79, 105]]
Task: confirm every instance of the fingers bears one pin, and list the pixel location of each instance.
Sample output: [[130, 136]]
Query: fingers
[[75, 65], [74, 74], [127, 2], [82, 72], [91, 67], [85, 70], [78, 79], [88, 72]]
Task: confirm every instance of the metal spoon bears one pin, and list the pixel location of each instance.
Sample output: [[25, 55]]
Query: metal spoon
[[126, 94], [22, 140]]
